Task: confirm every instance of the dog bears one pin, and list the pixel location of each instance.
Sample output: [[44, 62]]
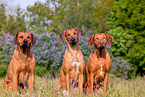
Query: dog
[[22, 64], [73, 62], [99, 62]]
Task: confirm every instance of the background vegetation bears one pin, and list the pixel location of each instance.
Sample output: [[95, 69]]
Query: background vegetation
[[122, 19]]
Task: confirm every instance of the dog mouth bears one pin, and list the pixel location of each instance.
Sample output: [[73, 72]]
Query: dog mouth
[[25, 45], [101, 47], [73, 42]]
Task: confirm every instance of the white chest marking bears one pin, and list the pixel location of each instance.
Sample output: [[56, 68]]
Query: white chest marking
[[101, 70], [77, 64], [65, 93]]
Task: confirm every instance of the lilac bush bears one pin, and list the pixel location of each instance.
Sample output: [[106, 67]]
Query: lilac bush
[[122, 68], [49, 52], [6, 48]]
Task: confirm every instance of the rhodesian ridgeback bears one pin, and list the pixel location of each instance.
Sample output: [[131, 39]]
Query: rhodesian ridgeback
[[22, 64], [73, 62], [99, 62]]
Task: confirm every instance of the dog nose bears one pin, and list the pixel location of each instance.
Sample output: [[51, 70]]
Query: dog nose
[[25, 41], [101, 42], [72, 39]]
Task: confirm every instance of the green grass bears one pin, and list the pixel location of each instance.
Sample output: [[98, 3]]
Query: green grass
[[117, 87]]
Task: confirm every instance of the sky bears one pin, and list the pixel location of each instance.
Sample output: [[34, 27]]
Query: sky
[[12, 5], [23, 3]]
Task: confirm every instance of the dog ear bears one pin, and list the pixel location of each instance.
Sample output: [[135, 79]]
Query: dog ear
[[33, 39], [15, 39], [91, 41], [109, 39], [80, 31], [62, 36]]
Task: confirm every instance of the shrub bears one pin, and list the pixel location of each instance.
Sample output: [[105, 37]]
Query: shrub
[[103, 9], [128, 14], [48, 51], [2, 71], [137, 57], [122, 41], [122, 68], [6, 48]]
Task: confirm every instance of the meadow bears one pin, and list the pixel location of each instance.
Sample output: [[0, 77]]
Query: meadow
[[116, 87]]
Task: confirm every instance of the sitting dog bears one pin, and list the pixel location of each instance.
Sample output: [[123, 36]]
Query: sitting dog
[[73, 62], [99, 62], [22, 64]]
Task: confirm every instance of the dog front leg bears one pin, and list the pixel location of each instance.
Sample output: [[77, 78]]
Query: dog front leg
[[105, 81], [91, 81], [31, 81], [67, 82], [81, 83], [15, 81]]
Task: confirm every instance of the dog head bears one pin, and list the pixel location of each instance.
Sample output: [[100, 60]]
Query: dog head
[[24, 39], [71, 35], [100, 40]]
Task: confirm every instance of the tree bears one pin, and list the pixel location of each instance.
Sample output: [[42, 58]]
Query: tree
[[65, 14], [14, 24], [78, 13], [129, 14], [102, 11], [2, 15], [39, 16], [122, 41]]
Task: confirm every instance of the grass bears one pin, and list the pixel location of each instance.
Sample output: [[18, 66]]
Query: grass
[[117, 87]]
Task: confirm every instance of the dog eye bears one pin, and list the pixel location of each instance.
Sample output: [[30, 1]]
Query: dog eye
[[28, 37], [21, 36], [103, 37], [68, 34], [75, 33], [97, 38]]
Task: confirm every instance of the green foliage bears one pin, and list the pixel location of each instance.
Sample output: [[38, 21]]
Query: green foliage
[[122, 41], [65, 14], [128, 14], [137, 57], [78, 13], [10, 23], [2, 71], [39, 16], [102, 11], [2, 15]]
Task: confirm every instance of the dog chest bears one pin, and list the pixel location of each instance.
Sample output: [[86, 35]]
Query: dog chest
[[74, 70], [76, 66], [99, 74], [23, 69]]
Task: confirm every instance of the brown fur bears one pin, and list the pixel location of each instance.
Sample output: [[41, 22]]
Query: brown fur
[[22, 64], [72, 54], [99, 56]]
